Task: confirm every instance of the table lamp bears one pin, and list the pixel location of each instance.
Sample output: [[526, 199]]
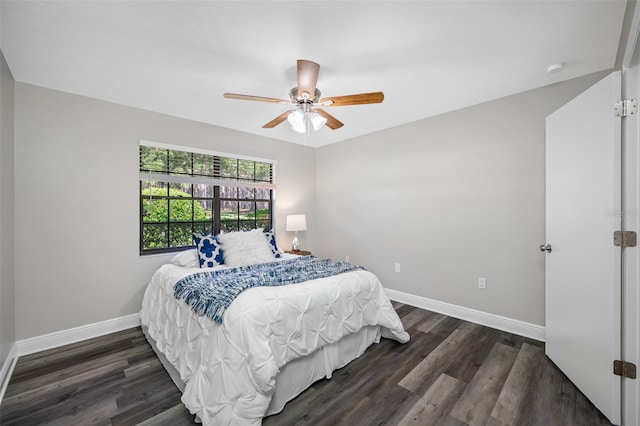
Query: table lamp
[[296, 222]]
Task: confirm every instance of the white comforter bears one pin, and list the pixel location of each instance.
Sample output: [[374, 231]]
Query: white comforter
[[230, 368]]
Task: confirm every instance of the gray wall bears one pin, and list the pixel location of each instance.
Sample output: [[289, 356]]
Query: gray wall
[[451, 198], [7, 276], [77, 202]]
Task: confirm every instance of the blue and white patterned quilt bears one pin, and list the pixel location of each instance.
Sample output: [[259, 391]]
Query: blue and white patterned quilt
[[210, 293]]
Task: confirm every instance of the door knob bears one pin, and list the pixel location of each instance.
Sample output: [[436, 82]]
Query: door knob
[[546, 248]]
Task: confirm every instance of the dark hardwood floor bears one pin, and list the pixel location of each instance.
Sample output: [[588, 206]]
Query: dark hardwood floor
[[451, 373]]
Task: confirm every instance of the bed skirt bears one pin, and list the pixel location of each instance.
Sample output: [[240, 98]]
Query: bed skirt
[[300, 373]]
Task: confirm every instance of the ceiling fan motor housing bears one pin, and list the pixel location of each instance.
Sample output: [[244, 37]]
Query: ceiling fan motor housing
[[293, 94]]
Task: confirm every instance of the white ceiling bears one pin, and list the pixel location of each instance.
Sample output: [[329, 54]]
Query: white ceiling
[[428, 57]]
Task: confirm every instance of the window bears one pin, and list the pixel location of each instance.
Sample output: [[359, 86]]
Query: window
[[186, 190]]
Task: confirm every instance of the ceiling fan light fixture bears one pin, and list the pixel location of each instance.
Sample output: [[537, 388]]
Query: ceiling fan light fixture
[[317, 121], [296, 117], [296, 120], [300, 120]]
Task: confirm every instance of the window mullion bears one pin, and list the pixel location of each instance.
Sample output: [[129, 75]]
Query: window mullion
[[193, 205], [168, 215], [216, 210]]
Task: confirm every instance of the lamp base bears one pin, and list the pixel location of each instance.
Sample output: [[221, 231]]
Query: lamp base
[[295, 245]]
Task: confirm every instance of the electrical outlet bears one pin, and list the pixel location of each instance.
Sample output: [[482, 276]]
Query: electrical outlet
[[482, 283], [397, 267], [346, 259]]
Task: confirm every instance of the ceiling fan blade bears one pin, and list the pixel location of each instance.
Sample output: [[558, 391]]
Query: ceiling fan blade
[[332, 122], [359, 99], [279, 119], [255, 98], [307, 77]]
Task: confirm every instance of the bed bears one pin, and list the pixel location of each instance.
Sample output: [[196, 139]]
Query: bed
[[272, 343]]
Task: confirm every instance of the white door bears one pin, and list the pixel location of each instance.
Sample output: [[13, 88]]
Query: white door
[[583, 187]]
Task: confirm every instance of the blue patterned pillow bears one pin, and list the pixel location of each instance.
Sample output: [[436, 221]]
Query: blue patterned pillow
[[271, 237], [209, 250]]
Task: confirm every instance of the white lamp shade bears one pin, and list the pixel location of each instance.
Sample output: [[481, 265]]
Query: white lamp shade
[[296, 222], [296, 119], [317, 121]]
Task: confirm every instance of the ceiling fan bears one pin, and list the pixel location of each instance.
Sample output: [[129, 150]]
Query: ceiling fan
[[306, 98]]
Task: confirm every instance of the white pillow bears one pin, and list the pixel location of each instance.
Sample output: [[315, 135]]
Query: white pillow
[[187, 258], [245, 248]]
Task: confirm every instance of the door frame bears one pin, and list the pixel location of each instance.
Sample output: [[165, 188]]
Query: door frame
[[630, 308]]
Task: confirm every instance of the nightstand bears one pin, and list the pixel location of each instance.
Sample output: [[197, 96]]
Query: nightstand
[[299, 252]]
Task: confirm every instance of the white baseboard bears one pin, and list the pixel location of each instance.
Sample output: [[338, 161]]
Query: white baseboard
[[533, 331], [72, 335], [7, 369]]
